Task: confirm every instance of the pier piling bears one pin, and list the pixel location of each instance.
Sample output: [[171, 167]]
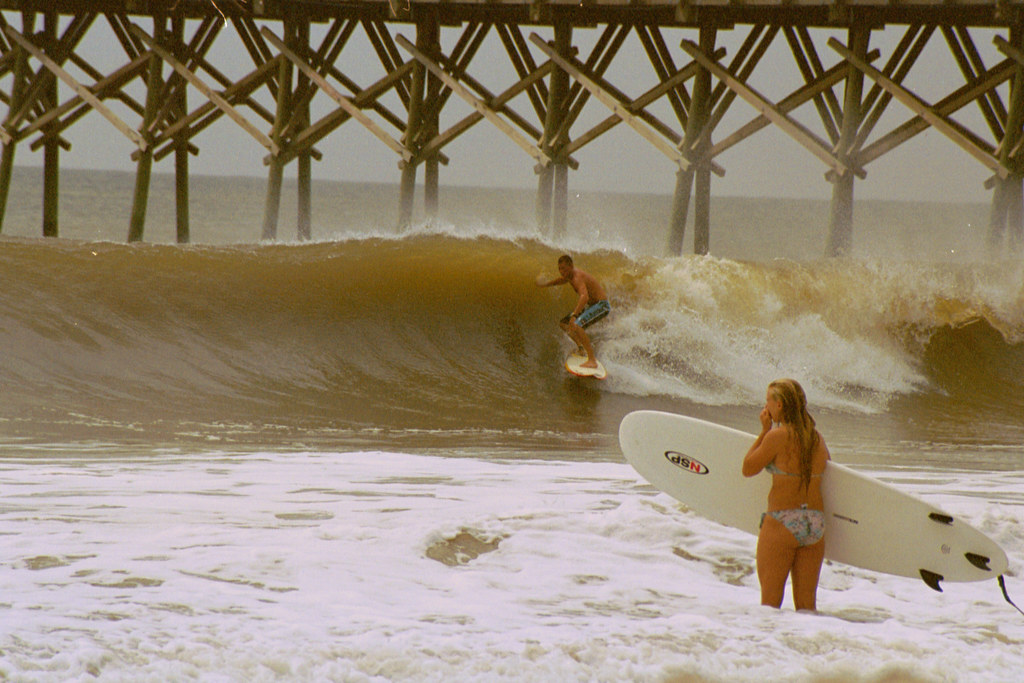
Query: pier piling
[[840, 233]]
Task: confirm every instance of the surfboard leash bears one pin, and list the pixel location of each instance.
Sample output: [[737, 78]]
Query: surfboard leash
[[1002, 585]]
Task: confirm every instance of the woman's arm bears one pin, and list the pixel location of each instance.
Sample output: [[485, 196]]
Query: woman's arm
[[764, 448]]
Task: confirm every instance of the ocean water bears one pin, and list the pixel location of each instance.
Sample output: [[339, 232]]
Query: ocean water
[[358, 458]]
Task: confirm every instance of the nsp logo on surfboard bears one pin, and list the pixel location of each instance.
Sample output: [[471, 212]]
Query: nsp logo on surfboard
[[686, 462]]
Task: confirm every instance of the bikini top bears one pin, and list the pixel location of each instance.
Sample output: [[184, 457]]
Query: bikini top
[[772, 468]]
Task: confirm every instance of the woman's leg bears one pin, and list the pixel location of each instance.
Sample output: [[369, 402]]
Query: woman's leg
[[806, 571], [776, 549]]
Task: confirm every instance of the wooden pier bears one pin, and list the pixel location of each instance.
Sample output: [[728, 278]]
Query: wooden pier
[[166, 90]]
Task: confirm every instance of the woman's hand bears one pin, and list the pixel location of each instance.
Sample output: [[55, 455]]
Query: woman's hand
[[765, 446]]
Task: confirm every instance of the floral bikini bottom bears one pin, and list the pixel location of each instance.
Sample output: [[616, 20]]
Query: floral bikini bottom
[[807, 526]]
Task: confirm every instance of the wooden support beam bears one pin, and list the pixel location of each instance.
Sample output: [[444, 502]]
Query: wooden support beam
[[301, 119], [897, 67], [743, 64], [248, 33], [189, 55], [387, 53], [611, 37], [840, 232], [207, 91], [59, 52], [696, 141], [330, 122], [522, 45], [946, 106], [275, 174], [789, 103], [119, 25], [101, 90], [641, 114], [480, 106], [427, 40], [432, 107], [144, 162], [77, 87], [18, 85], [342, 101], [661, 60], [637, 105], [179, 96], [208, 112], [620, 109], [522, 60], [97, 76], [553, 107], [305, 89], [964, 51], [924, 110], [698, 122], [1008, 49], [457, 63], [553, 180], [8, 61], [497, 104], [47, 97], [809, 65], [1006, 198], [477, 89], [328, 69], [795, 130], [818, 69], [596, 65], [226, 84]]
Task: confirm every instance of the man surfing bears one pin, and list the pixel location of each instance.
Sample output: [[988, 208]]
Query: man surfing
[[591, 305]]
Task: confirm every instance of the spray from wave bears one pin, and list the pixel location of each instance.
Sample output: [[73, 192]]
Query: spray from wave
[[857, 334]]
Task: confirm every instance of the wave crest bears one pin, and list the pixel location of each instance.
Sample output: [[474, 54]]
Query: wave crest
[[435, 329]]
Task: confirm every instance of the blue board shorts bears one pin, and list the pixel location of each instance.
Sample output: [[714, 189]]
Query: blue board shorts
[[591, 314]]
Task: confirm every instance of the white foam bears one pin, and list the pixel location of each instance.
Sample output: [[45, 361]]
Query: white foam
[[312, 566], [716, 331]]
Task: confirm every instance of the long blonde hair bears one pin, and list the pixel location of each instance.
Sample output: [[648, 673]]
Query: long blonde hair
[[793, 400]]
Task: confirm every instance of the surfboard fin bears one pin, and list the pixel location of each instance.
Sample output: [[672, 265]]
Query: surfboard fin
[[940, 517], [932, 579], [979, 561]]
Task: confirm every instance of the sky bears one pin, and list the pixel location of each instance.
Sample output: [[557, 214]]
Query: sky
[[929, 167]]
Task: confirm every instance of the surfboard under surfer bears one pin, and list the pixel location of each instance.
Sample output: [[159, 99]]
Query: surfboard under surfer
[[591, 305]]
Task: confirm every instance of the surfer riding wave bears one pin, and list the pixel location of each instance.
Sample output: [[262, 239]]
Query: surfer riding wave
[[591, 305]]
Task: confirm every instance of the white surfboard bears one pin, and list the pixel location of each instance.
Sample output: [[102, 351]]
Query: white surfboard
[[574, 364], [869, 524]]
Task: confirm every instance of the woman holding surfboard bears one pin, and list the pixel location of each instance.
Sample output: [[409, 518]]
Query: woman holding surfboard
[[792, 537]]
